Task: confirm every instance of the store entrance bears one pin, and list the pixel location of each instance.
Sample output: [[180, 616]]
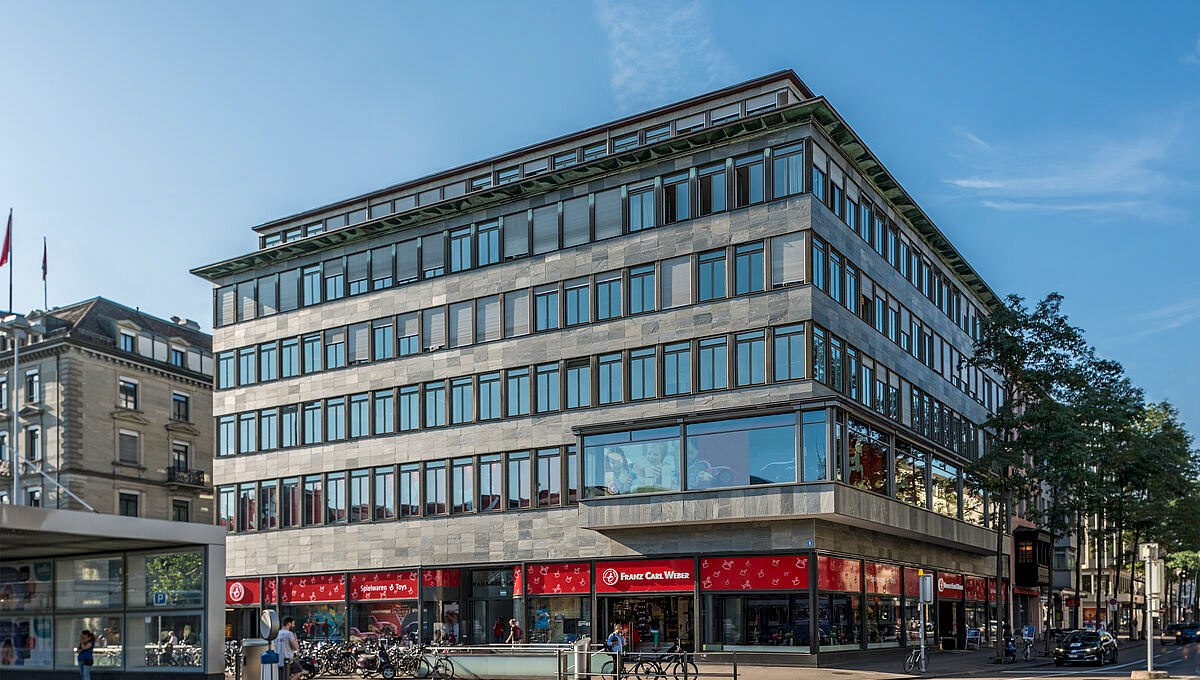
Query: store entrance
[[241, 623], [489, 621], [653, 622], [950, 624]]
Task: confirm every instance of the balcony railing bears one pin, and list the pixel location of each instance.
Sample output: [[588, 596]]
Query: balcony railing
[[186, 477]]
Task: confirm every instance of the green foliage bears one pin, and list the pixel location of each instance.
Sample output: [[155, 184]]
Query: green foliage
[[180, 575]]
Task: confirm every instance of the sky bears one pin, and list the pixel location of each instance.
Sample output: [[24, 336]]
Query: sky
[[1055, 144]]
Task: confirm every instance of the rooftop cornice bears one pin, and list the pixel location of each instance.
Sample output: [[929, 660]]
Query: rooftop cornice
[[817, 111]]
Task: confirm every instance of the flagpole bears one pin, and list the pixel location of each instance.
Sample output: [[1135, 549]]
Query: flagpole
[[10, 265], [45, 293]]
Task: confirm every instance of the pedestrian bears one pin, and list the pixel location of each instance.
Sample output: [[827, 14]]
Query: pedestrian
[[84, 650], [616, 644], [286, 647], [514, 633], [498, 631], [654, 632]]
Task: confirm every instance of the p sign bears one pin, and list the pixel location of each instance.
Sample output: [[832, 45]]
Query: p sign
[[160, 598]]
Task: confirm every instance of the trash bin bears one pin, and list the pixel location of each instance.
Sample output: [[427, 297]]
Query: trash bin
[[252, 649]]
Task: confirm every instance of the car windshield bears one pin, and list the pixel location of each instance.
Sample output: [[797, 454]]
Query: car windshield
[[1085, 636]]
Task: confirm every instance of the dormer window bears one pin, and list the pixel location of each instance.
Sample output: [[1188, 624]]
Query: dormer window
[[128, 341]]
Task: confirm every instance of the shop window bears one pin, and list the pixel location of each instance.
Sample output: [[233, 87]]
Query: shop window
[[868, 463], [741, 452], [637, 461]]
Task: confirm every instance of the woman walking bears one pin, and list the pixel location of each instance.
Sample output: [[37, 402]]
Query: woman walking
[[86, 642]]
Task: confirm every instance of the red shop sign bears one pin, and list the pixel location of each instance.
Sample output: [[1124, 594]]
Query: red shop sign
[[518, 582], [976, 588], [243, 591], [384, 585], [645, 576], [882, 578], [949, 586], [835, 573], [269, 594], [788, 572], [556, 579], [321, 588], [440, 577], [912, 582], [1002, 595]]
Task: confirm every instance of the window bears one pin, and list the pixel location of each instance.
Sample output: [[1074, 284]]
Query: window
[[624, 142], [787, 260], [461, 401], [385, 416], [545, 229], [289, 502], [268, 427], [489, 483], [867, 457], [335, 348], [610, 379], [245, 305], [818, 265], [520, 486], [226, 370], [641, 289], [289, 358], [128, 448], [545, 301], [127, 393], [750, 358], [360, 415], [748, 180], [517, 392], [461, 316], [632, 462], [407, 342], [247, 433], [677, 369], [180, 407], [487, 241], [945, 487], [462, 485], [433, 328], [312, 422], [460, 249], [641, 209], [676, 204], [713, 367], [594, 151], [313, 503], [268, 506], [489, 396], [549, 477], [268, 361], [818, 183], [837, 199], [851, 288], [360, 496], [435, 404], [835, 276], [741, 452], [579, 390], [33, 442], [487, 319], [910, 475], [180, 511], [385, 493], [516, 235], [433, 255], [814, 436], [127, 504], [516, 313], [247, 373], [310, 281], [406, 261], [410, 490], [381, 268], [789, 352], [836, 374], [608, 296], [677, 282], [642, 374], [712, 189], [788, 166], [226, 436], [312, 352], [357, 266], [577, 218], [335, 498], [128, 340], [178, 357], [289, 426], [577, 302], [506, 175], [382, 343], [227, 508], [358, 343], [547, 387], [435, 488], [711, 276], [748, 268], [335, 279], [180, 456], [608, 213]]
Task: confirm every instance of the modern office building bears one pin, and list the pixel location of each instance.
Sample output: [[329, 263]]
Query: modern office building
[[115, 405], [696, 370]]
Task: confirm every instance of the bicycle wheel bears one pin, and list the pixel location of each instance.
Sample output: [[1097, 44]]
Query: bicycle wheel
[[608, 671], [1028, 654], [684, 670], [444, 668], [910, 662], [647, 670]]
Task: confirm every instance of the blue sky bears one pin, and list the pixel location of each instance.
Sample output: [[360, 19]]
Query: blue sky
[[1054, 143]]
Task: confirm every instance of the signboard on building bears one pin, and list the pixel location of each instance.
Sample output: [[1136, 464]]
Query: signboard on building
[[645, 576], [835, 573], [319, 588], [384, 585], [949, 586], [558, 579], [242, 592]]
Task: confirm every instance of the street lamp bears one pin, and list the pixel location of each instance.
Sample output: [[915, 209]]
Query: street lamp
[[15, 325]]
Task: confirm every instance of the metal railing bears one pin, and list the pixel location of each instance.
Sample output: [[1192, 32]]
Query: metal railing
[[185, 477]]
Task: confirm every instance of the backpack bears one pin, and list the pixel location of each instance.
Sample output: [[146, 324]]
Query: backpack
[[517, 634]]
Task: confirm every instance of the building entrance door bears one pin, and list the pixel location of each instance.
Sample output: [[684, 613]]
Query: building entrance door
[[653, 622], [950, 624]]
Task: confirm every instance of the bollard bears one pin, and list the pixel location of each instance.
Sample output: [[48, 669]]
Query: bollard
[[268, 665]]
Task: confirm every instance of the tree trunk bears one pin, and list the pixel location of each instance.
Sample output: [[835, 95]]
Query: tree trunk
[[1137, 536], [1119, 558], [1001, 616], [1096, 581]]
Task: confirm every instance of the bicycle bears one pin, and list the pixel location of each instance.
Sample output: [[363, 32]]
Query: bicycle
[[1027, 654], [442, 666], [916, 659]]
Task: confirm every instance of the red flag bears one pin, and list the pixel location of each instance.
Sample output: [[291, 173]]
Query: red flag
[[7, 242], [43, 258]]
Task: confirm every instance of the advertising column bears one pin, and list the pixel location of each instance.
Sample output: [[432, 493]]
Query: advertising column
[[652, 599]]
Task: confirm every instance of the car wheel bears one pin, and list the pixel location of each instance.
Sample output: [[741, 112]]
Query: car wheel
[[1058, 662]]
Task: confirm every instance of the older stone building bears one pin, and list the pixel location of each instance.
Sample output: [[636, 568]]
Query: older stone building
[[116, 406], [696, 370]]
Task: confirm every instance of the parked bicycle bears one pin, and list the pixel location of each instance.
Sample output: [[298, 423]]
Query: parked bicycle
[[916, 660]]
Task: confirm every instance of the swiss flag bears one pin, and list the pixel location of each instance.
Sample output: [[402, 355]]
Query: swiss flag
[[7, 242]]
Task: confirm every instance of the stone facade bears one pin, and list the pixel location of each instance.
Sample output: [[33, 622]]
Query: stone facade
[[79, 413]]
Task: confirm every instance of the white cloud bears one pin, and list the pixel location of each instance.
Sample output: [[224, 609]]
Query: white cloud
[[660, 51], [1062, 207], [1162, 319], [974, 140], [968, 183], [1193, 57]]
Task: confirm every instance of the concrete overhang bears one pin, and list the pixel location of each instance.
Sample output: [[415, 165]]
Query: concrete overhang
[[28, 533], [825, 501]]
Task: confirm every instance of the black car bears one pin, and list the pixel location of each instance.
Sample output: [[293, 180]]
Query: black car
[[1086, 645], [1187, 632]]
